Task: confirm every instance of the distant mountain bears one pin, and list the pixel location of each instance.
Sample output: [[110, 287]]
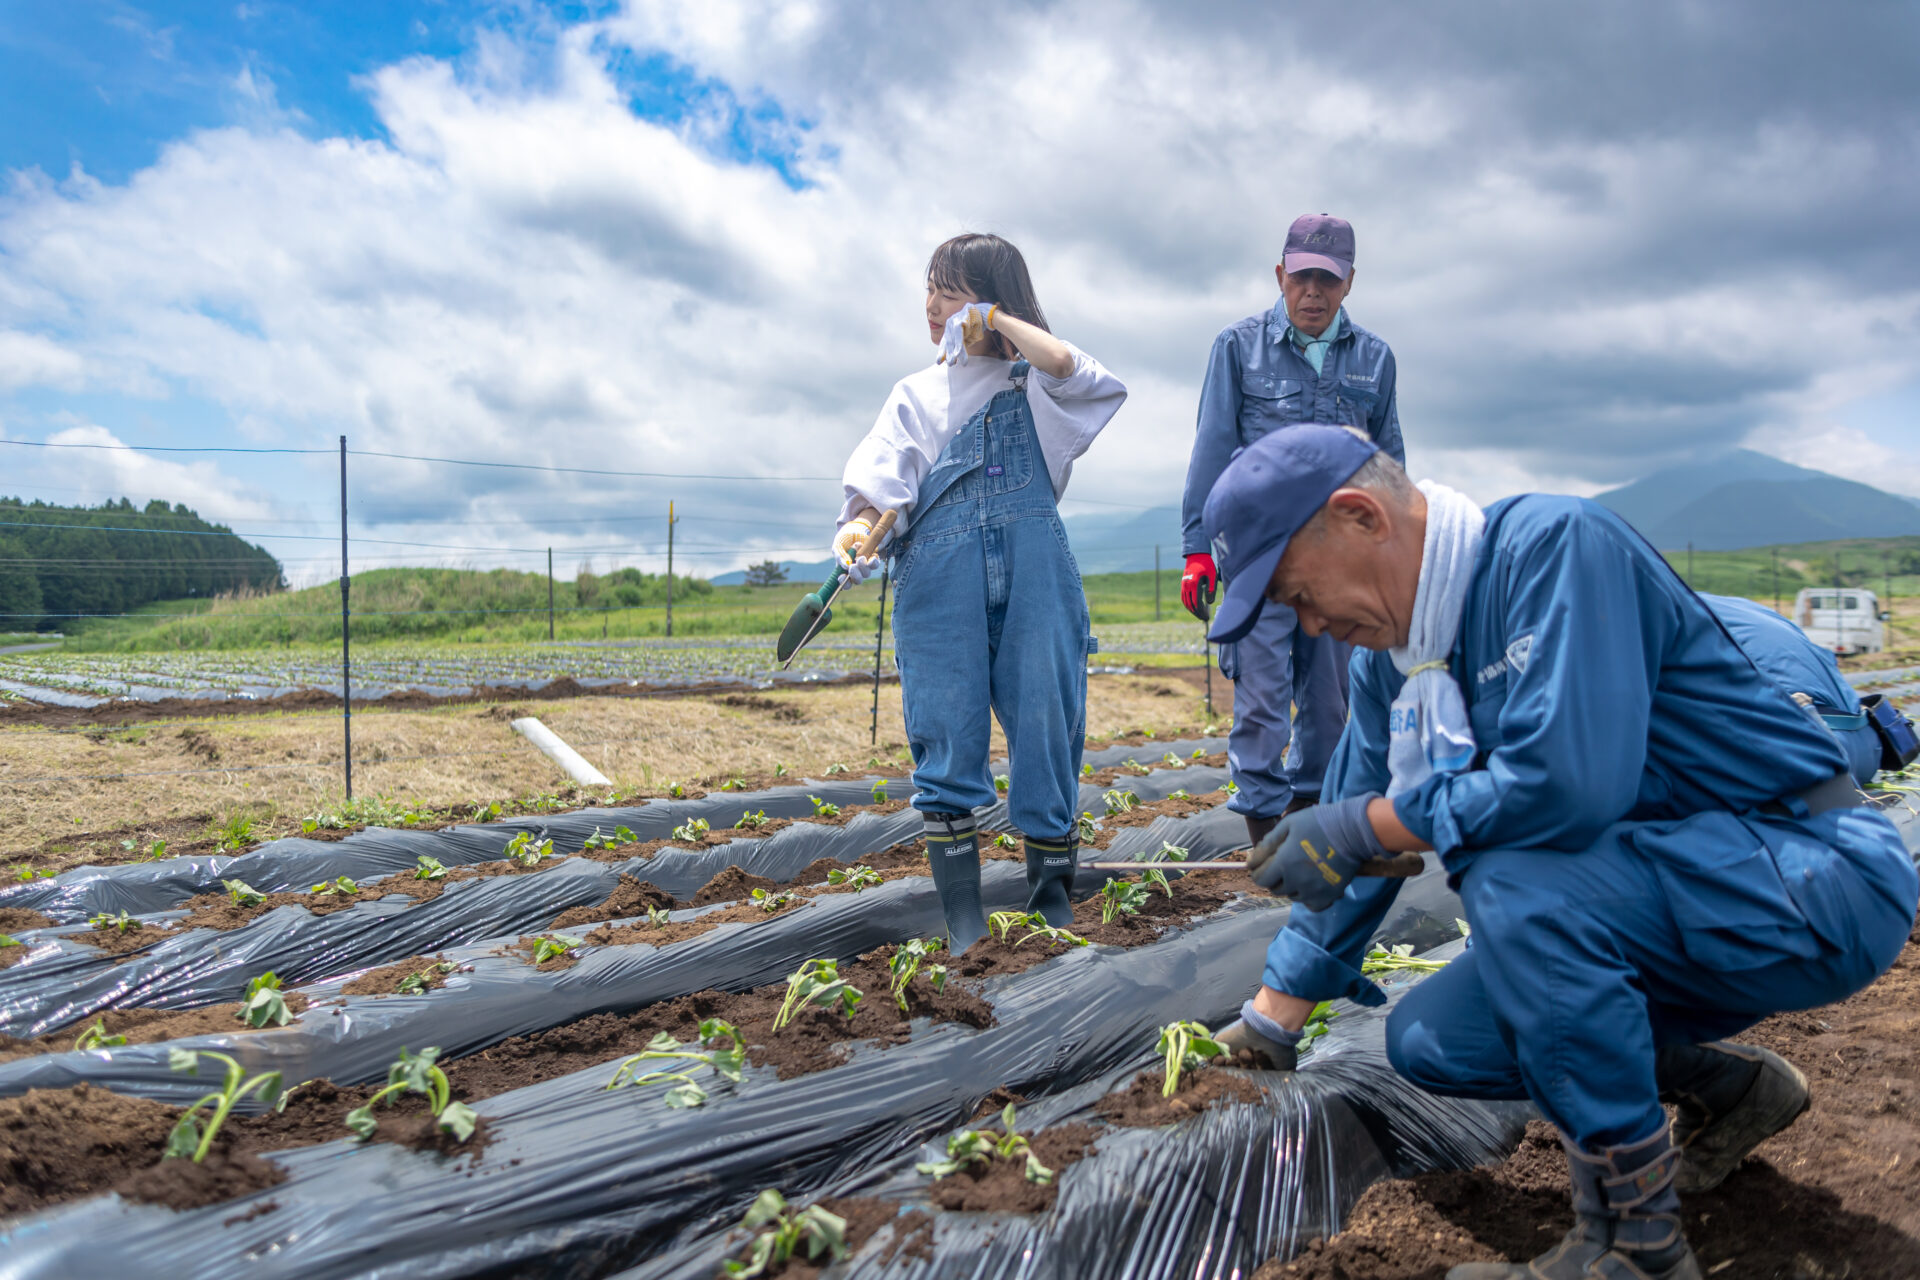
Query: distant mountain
[[810, 572], [1747, 499]]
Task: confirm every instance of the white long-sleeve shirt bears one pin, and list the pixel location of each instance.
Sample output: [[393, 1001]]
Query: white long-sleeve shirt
[[928, 408]]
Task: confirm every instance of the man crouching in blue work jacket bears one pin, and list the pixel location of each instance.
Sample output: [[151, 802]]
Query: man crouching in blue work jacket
[[1656, 847]]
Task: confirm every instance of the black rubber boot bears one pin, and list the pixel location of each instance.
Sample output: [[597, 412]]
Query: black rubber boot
[[1626, 1221], [1257, 829], [953, 855], [1050, 868], [1298, 803], [1728, 1098]]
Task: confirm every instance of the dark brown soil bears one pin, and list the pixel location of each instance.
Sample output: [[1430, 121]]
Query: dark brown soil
[[1837, 1195], [733, 885], [1140, 1106], [19, 920], [528, 947], [386, 980], [1143, 815], [116, 942], [680, 930], [1117, 775], [182, 1184], [630, 898], [10, 956], [1001, 1186], [220, 911], [147, 1026], [912, 1234]]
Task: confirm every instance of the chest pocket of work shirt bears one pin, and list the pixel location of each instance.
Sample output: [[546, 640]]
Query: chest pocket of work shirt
[[1267, 402], [1354, 396]]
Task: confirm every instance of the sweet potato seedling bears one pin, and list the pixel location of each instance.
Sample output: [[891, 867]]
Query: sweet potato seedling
[[657, 917], [553, 946], [1004, 922], [728, 1063], [96, 1037], [752, 821], [1119, 802], [975, 1146], [415, 1073], [821, 809], [264, 1004], [1121, 897], [415, 984], [879, 792], [906, 962], [1173, 761], [1399, 960], [774, 901], [1158, 879], [118, 921], [692, 830], [621, 835], [856, 877], [484, 812], [30, 873], [1005, 840], [187, 1139], [734, 784], [1180, 794], [1199, 753], [342, 885], [835, 767], [1316, 1025], [1001, 782], [1185, 1045], [1168, 852], [817, 982], [677, 791], [1086, 771], [1087, 828], [426, 868], [782, 1235], [523, 852]]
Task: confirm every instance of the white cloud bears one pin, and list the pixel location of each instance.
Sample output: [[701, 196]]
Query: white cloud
[[523, 269], [109, 469]]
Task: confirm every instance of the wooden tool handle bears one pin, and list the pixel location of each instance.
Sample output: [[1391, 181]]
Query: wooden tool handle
[[881, 528], [1399, 866]]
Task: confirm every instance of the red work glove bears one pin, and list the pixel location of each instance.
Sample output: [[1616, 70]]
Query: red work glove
[[1198, 584]]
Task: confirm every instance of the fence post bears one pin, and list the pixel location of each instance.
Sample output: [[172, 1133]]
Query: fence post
[[1156, 582], [670, 523], [879, 636], [549, 593], [346, 644]]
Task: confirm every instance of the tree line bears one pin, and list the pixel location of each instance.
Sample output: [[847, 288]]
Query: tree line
[[57, 562]]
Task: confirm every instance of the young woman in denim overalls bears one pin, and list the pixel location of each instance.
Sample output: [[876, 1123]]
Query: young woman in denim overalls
[[974, 452]]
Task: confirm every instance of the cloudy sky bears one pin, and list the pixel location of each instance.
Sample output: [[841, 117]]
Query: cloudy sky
[[689, 238]]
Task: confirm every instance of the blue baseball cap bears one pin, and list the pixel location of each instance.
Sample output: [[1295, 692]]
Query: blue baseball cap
[[1268, 492]]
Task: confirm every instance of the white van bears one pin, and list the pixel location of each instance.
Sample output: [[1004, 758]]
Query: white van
[[1843, 619]]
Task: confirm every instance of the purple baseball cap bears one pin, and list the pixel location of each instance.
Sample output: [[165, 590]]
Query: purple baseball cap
[[1267, 494], [1317, 240]]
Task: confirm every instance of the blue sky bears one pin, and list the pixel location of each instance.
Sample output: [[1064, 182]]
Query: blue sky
[[669, 237]]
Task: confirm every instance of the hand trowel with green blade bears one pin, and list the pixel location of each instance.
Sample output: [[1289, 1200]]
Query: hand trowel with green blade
[[815, 610]]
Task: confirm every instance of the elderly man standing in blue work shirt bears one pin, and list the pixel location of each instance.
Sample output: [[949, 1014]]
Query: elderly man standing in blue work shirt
[[1304, 361], [1655, 845]]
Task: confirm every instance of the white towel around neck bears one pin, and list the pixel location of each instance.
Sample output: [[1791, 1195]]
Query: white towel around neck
[[1429, 731]]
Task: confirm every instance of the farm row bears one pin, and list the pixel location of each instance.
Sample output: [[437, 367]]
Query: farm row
[[647, 1018]]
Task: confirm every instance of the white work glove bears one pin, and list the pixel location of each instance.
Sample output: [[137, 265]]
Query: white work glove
[[969, 324], [846, 542]]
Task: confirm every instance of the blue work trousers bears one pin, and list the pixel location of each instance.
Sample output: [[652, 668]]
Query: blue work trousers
[[991, 620], [1582, 964], [1279, 673]]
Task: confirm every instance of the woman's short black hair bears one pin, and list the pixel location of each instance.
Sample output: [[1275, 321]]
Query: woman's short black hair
[[992, 270]]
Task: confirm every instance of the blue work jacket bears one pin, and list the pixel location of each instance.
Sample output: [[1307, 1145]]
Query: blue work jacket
[[1783, 651], [1257, 380], [1600, 689]]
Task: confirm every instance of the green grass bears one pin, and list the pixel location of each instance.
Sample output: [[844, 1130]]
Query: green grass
[[1862, 562]]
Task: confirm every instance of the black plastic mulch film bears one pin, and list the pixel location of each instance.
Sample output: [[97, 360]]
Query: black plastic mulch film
[[62, 982]]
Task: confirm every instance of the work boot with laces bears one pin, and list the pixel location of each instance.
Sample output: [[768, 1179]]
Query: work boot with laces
[[1626, 1221], [1728, 1098]]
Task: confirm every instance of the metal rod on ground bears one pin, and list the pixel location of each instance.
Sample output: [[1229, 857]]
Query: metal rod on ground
[[670, 523], [1156, 582], [346, 647], [879, 639], [549, 593]]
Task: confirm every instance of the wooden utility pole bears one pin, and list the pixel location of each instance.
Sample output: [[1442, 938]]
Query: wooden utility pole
[[346, 646], [670, 523]]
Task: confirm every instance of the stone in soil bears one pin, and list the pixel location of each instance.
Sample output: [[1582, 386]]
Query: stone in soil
[[1836, 1195]]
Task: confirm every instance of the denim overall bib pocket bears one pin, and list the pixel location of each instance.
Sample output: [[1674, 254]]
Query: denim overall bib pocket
[[990, 620]]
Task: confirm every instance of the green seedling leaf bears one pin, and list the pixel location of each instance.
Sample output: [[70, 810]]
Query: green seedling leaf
[[1158, 879], [821, 809], [96, 1037], [522, 851], [1121, 897], [1086, 771], [772, 902], [1087, 828], [1119, 802], [752, 821], [1184, 1046], [1199, 753], [817, 982], [1466, 930], [734, 784], [553, 945], [263, 1004], [188, 1140], [1181, 794], [857, 877], [342, 885], [426, 868], [242, 893], [119, 921], [692, 830], [677, 791], [8, 940], [1001, 782], [835, 768], [1005, 840], [657, 916], [458, 1119], [906, 962], [1173, 761]]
